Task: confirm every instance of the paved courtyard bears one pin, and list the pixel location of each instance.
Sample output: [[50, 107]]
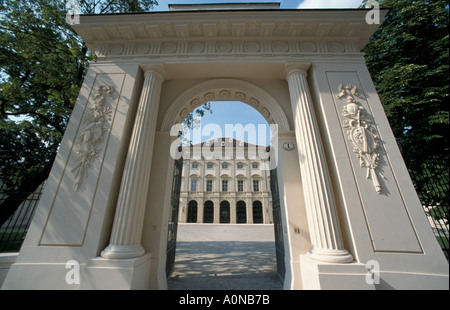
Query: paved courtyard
[[225, 257]]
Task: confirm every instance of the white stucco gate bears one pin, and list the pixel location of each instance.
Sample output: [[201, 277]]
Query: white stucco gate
[[346, 198]]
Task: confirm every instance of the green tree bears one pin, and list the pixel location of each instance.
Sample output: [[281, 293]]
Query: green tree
[[42, 66], [408, 58]]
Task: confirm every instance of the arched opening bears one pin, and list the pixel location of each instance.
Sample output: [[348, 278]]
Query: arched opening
[[241, 212], [224, 212], [225, 184], [208, 212], [258, 216], [192, 212]]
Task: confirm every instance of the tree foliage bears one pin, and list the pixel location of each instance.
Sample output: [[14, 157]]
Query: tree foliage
[[408, 58], [42, 66]]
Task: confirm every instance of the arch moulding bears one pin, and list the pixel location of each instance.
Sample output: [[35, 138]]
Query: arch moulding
[[225, 90]]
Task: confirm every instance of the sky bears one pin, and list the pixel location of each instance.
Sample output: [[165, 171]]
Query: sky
[[235, 120], [284, 4], [234, 113]]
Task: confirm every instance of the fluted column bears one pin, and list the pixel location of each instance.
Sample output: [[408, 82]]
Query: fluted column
[[325, 233], [126, 233]]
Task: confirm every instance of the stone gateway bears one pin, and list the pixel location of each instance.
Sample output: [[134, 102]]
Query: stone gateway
[[344, 194]]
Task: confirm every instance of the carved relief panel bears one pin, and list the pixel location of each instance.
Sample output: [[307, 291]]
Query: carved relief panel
[[364, 164], [84, 168]]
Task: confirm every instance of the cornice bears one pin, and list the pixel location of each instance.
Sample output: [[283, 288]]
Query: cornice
[[274, 31]]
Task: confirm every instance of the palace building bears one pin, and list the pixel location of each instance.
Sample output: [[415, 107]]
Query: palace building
[[226, 189]]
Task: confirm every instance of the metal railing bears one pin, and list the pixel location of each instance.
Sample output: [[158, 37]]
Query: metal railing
[[14, 230], [431, 182]]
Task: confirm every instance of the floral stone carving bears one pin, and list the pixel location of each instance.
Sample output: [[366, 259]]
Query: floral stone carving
[[88, 143], [361, 133]]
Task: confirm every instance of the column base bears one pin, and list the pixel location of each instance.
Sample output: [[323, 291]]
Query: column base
[[123, 251], [331, 256], [116, 274], [317, 275]]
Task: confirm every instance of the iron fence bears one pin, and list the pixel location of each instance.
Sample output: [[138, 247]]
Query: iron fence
[[431, 183], [14, 230]]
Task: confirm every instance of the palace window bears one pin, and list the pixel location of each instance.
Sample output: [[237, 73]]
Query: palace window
[[208, 212], [224, 185], [256, 185], [240, 185], [241, 212], [209, 185], [258, 217], [193, 185], [225, 212], [192, 212]]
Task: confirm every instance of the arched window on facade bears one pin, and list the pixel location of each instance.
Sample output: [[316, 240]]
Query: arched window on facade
[[208, 212], [224, 212], [192, 212], [241, 212], [240, 183], [258, 217]]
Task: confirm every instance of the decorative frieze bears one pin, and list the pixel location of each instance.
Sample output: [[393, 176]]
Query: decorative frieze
[[89, 142], [226, 47], [362, 133]]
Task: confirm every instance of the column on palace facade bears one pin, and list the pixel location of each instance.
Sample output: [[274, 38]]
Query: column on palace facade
[[216, 202], [182, 210], [326, 239], [266, 210], [249, 203], [232, 201], [200, 209], [125, 241]]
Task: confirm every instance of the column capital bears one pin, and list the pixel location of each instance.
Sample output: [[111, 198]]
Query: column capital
[[158, 69], [296, 67]]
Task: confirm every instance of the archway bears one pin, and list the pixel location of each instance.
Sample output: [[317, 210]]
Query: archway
[[158, 67], [225, 212], [258, 217], [208, 212], [192, 212], [225, 90], [241, 212]]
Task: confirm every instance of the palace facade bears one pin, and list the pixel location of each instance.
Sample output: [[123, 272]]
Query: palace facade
[[226, 189]]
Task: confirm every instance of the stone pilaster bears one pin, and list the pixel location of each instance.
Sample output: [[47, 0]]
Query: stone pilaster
[[126, 233], [320, 205]]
